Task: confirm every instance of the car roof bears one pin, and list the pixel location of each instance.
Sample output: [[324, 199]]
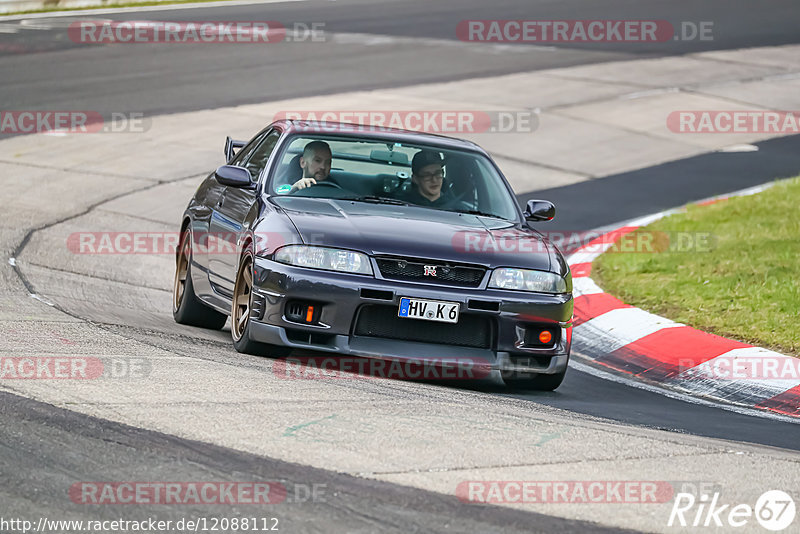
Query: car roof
[[379, 133]]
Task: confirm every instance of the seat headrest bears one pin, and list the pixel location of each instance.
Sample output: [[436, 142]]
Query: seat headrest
[[294, 172]]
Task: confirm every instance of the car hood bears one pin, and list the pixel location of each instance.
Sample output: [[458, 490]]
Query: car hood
[[414, 232]]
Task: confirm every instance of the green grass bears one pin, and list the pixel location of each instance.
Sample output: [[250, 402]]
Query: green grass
[[106, 6], [746, 287]]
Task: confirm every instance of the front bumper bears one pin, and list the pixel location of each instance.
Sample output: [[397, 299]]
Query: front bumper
[[342, 297]]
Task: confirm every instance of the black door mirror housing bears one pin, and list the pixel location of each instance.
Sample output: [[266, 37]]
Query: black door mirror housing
[[540, 210], [233, 176]]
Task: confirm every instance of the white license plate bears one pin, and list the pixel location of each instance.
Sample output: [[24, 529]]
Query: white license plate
[[430, 310]]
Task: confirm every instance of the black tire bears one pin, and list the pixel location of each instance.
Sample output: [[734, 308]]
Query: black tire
[[534, 382], [186, 307], [240, 314]]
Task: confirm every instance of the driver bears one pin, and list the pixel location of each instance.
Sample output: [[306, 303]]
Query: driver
[[427, 179], [316, 164]]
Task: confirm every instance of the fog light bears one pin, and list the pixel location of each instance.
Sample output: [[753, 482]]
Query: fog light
[[541, 336]]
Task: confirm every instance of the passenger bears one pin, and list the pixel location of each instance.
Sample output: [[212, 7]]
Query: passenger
[[316, 164], [427, 179]]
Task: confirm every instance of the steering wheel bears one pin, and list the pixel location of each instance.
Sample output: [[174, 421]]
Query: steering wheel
[[326, 183], [335, 191], [462, 200]]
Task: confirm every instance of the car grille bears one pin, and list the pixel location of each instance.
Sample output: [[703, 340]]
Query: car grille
[[382, 321], [414, 270]]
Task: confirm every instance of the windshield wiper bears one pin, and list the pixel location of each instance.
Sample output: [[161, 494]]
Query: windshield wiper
[[481, 213], [373, 199]]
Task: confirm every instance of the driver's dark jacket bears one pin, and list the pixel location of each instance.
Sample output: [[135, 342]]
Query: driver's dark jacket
[[445, 200]]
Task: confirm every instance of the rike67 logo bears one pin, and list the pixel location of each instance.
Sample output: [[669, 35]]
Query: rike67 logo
[[774, 510]]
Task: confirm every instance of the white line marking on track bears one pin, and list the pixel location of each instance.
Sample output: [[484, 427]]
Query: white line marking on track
[[41, 299], [779, 77], [739, 148], [647, 219], [36, 24], [371, 39], [649, 92]]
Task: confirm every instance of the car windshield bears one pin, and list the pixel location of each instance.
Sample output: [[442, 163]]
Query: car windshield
[[385, 172]]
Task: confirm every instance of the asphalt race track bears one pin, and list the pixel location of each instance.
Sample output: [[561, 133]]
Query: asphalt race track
[[361, 505], [171, 434], [152, 79]]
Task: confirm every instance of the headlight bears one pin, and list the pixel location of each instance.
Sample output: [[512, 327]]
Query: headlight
[[329, 259], [527, 280]]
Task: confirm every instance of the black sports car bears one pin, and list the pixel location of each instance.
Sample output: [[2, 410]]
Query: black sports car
[[378, 243]]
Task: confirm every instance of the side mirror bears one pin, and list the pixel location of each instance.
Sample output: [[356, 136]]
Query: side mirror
[[233, 176], [539, 210]]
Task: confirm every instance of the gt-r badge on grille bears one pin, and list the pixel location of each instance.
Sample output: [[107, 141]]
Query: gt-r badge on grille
[[430, 270]]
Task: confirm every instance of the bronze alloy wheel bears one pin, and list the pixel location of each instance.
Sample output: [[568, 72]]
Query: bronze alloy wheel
[[186, 307], [240, 313], [181, 271]]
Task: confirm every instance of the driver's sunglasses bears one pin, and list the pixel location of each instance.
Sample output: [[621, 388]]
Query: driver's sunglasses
[[430, 176]]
